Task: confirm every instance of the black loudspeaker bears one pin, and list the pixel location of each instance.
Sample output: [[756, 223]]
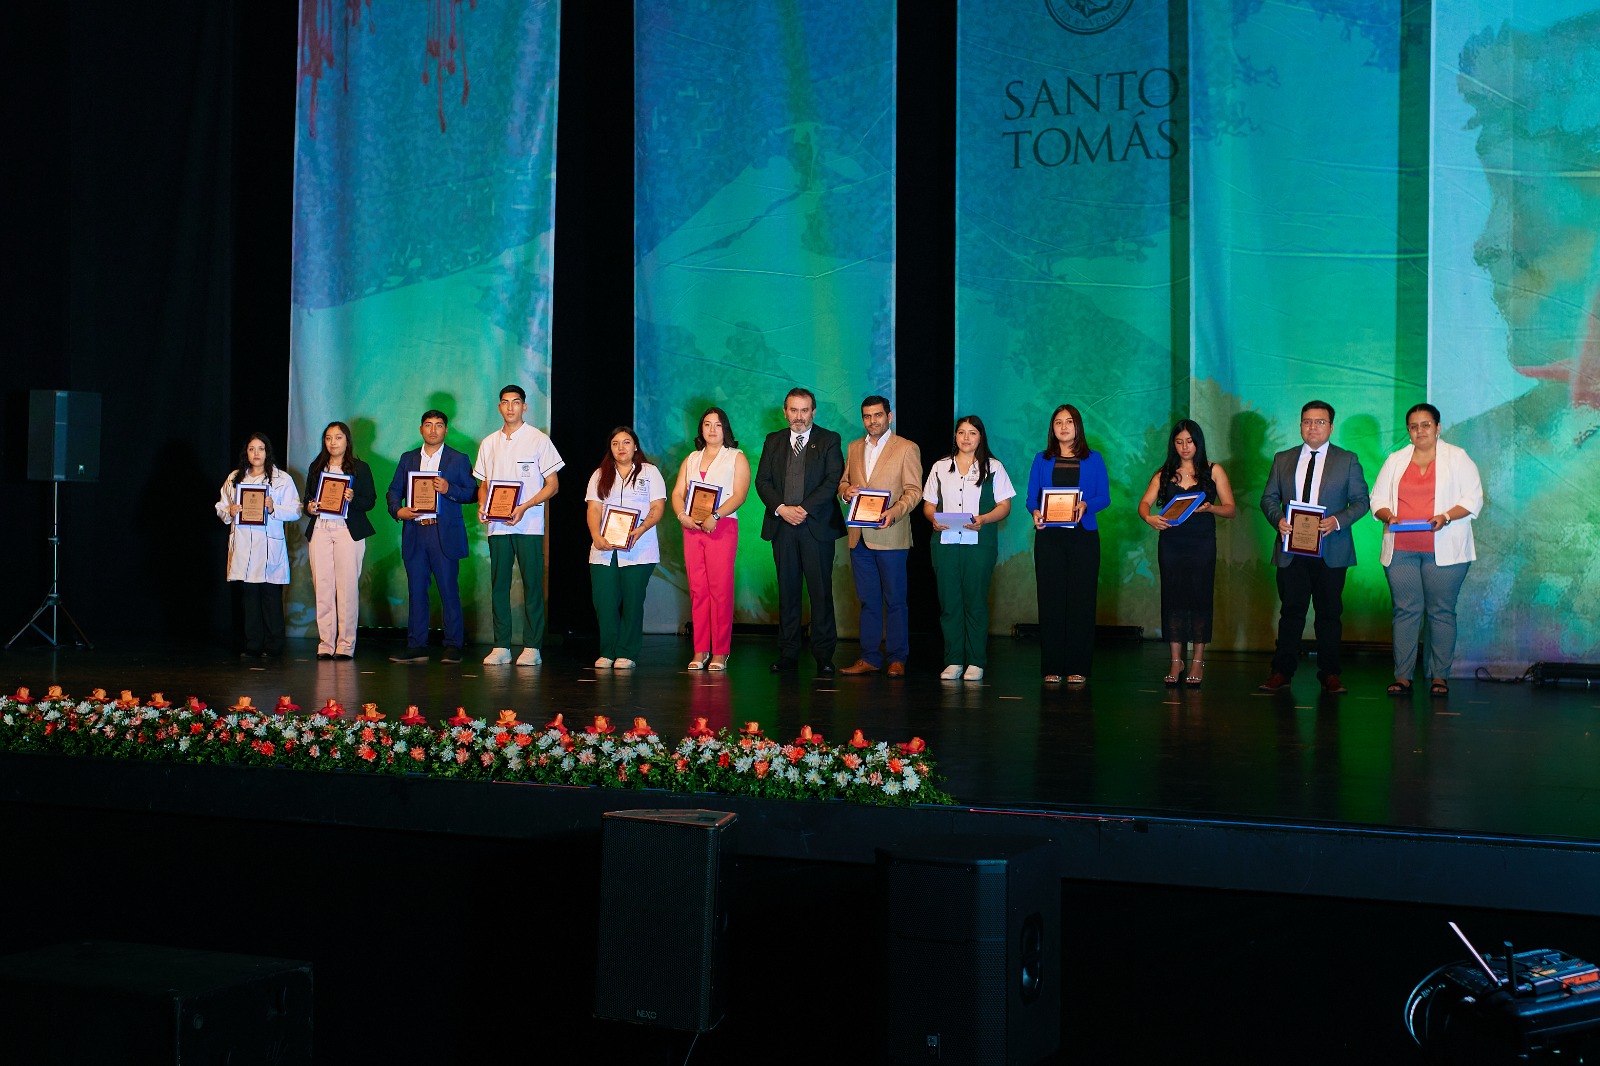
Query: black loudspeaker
[[63, 436], [974, 943], [100, 1003], [663, 915]]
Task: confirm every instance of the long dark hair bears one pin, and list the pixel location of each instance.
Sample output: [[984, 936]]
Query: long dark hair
[[1080, 443], [728, 440], [981, 455], [608, 465], [320, 463], [269, 467], [1202, 464]]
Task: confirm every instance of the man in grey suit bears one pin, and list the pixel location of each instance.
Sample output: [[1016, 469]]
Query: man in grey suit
[[1319, 473]]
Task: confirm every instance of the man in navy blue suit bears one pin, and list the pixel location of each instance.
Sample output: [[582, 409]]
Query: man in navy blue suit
[[432, 545]]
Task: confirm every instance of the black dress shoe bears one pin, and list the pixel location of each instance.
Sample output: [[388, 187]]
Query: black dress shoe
[[324, 656], [784, 666], [451, 655], [825, 670], [410, 655], [342, 657]]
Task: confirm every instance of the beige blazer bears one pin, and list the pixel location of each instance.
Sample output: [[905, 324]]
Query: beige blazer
[[899, 470]]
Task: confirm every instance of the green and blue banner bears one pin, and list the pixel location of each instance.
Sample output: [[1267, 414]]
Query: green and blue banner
[[764, 238], [423, 238]]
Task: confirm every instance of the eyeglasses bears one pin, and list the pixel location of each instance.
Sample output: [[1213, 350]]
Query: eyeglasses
[[1315, 423], [1418, 427]]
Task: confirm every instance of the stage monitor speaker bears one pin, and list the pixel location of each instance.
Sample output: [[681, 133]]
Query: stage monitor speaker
[[663, 915], [974, 942], [63, 435], [102, 1003]]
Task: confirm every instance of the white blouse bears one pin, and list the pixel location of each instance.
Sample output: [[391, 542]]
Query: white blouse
[[644, 490], [724, 469]]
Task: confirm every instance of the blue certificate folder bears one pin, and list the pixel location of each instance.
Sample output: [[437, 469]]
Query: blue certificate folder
[[1181, 506], [1412, 525]]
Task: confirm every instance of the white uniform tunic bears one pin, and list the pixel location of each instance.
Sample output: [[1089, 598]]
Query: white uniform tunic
[[528, 455], [258, 553], [648, 487], [952, 492]]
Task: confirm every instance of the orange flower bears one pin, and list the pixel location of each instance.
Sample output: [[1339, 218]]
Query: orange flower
[[194, 704], [762, 768], [859, 741], [807, 736], [55, 693], [417, 754], [157, 700], [644, 769], [751, 729], [22, 696], [285, 706], [413, 716], [681, 764], [242, 706], [98, 695], [367, 734], [508, 720], [127, 699], [852, 760], [602, 724], [557, 724], [461, 717], [642, 728], [332, 709], [916, 746], [524, 739], [369, 713], [699, 729], [895, 766]]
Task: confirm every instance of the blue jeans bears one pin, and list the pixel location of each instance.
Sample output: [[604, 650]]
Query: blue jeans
[[881, 587], [1421, 586]]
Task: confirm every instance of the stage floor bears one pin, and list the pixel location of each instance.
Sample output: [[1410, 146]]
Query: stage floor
[[1495, 759]]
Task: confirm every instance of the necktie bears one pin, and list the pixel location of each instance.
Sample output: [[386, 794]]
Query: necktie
[[1311, 469], [799, 444]]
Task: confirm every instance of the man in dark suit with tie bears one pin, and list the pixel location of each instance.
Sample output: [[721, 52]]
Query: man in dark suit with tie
[[796, 479], [432, 545], [1318, 473]]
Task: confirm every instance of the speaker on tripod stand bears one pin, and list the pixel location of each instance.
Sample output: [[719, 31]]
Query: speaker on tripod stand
[[63, 445]]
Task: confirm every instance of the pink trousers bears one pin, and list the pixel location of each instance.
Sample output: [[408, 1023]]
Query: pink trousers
[[709, 558]]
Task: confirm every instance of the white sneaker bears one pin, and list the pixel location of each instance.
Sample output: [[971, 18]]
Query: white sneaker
[[602, 663], [974, 673], [529, 657], [624, 664], [497, 657], [950, 673]]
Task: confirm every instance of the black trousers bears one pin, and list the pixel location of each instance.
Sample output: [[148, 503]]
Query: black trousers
[[1066, 576], [1306, 583], [263, 616], [799, 557]]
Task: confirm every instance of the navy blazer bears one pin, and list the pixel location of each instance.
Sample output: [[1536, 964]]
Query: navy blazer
[[824, 468], [1344, 495], [455, 468]]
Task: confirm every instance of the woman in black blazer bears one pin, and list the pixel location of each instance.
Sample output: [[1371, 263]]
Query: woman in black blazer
[[336, 541]]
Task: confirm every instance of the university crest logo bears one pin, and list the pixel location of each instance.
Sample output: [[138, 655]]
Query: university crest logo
[[1087, 16]]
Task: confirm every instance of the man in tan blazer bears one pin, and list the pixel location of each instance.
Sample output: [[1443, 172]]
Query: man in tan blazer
[[882, 460]]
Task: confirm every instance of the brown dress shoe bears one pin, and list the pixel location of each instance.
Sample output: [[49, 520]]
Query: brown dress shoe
[[1276, 683], [897, 669], [860, 666], [1332, 686]]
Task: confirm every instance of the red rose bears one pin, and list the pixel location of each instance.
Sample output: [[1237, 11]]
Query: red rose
[[859, 741], [699, 729], [916, 746], [556, 724]]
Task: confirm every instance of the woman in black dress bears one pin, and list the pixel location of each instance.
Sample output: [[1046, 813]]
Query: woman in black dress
[[1187, 551]]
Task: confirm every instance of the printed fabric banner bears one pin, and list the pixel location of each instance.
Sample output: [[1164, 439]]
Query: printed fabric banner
[[764, 241], [423, 231], [1306, 253], [1515, 339], [1070, 259]]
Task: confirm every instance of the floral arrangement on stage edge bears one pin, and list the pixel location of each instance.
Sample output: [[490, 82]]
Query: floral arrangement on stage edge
[[741, 763]]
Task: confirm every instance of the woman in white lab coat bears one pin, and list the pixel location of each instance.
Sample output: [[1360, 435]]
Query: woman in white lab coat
[[257, 557]]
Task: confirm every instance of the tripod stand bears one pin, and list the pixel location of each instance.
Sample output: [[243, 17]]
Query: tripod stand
[[52, 599]]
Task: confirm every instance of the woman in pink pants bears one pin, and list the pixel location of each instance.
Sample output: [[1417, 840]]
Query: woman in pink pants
[[711, 541]]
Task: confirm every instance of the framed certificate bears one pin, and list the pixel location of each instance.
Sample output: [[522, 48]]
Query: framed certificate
[[867, 507], [1305, 529], [421, 496], [616, 524], [703, 499], [330, 494], [1412, 525], [252, 505], [1182, 506], [1059, 507], [504, 496]]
